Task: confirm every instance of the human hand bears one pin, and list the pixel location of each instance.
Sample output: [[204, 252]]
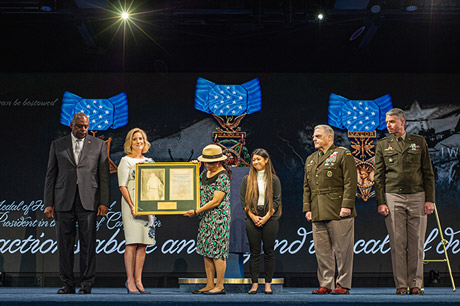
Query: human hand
[[258, 221], [102, 210], [49, 212], [189, 213], [264, 219], [133, 211], [345, 212], [383, 210], [429, 208], [308, 216]]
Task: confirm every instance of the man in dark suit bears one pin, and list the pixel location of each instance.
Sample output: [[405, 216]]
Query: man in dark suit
[[77, 189]]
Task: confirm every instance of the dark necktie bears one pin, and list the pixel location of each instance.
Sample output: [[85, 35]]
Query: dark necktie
[[401, 143]]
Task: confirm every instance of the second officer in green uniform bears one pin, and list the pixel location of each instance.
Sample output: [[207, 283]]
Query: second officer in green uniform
[[404, 187]]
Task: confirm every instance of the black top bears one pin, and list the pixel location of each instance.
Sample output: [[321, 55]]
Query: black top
[[276, 196]]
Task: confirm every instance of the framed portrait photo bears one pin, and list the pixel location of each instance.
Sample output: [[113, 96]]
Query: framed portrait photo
[[166, 188]]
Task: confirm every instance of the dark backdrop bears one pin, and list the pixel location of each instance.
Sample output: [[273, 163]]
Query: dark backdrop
[[163, 105]]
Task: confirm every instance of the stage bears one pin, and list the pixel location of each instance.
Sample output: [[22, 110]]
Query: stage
[[172, 296]]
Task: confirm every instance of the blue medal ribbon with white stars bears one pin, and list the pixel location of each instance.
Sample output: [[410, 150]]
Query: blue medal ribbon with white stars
[[228, 100], [102, 113], [358, 115]]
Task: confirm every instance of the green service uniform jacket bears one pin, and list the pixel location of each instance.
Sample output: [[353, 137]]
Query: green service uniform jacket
[[330, 184], [403, 171]]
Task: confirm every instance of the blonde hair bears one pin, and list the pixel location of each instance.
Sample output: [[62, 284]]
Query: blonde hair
[[129, 141]]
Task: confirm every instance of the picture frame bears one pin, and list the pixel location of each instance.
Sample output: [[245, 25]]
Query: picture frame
[[166, 188]]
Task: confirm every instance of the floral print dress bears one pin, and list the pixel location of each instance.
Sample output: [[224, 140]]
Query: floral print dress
[[214, 228]]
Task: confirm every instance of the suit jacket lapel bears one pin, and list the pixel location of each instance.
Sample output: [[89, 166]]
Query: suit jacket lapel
[[315, 164], [85, 149], [325, 155], [394, 143], [70, 149], [406, 143]]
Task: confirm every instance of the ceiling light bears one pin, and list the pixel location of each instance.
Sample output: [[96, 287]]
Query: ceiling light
[[375, 9], [125, 15]]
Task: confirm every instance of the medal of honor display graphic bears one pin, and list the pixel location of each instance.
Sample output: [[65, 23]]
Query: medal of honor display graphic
[[102, 114], [361, 118], [229, 104]]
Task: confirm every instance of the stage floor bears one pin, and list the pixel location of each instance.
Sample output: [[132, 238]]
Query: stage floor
[[172, 296]]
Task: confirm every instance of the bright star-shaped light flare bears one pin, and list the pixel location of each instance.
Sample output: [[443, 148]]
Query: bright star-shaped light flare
[[125, 15]]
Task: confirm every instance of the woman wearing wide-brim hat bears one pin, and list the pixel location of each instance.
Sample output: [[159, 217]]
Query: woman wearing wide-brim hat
[[214, 214]]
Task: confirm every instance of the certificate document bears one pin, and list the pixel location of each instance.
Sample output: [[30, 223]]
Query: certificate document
[[181, 184]]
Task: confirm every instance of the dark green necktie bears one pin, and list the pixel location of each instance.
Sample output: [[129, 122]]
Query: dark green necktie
[[400, 143]]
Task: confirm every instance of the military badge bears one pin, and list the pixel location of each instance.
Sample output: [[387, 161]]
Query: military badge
[[414, 146], [390, 160], [389, 148], [329, 174], [332, 158]]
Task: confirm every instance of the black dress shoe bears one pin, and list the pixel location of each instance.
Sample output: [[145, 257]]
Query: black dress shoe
[[66, 290], [84, 290], [198, 292], [216, 292]]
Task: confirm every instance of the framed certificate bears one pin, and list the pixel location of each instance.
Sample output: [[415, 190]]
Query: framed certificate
[[166, 188]]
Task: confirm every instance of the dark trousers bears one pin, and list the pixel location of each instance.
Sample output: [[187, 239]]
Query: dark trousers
[[66, 230], [266, 235]]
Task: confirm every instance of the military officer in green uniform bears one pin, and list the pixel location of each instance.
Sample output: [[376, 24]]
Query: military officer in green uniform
[[404, 186], [329, 202]]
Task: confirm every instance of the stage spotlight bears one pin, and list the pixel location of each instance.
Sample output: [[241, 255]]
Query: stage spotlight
[[320, 17], [411, 8], [125, 15], [47, 5], [375, 9], [46, 8]]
